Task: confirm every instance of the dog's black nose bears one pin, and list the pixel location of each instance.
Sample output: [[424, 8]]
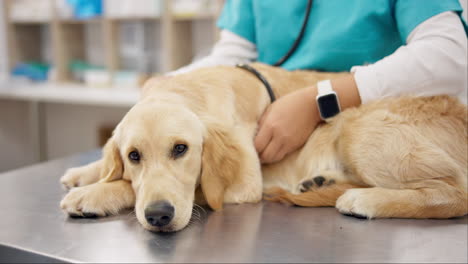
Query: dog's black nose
[[159, 213]]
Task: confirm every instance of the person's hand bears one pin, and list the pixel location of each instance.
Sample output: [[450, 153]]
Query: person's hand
[[286, 125]]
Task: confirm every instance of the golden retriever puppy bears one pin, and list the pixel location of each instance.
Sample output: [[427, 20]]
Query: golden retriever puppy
[[190, 138]]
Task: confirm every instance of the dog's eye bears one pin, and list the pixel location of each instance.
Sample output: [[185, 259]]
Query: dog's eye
[[179, 150], [134, 156]]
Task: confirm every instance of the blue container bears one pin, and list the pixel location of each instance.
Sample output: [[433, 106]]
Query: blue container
[[32, 70], [85, 9]]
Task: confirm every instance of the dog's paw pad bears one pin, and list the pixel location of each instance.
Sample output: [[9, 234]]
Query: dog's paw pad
[[317, 181], [83, 215], [358, 216], [74, 215], [90, 215], [306, 185]]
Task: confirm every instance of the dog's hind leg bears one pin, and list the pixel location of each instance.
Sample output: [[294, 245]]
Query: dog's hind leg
[[323, 196], [441, 201], [425, 182], [413, 175]]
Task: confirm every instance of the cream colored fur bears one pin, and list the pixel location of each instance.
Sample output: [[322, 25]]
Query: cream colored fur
[[402, 157]]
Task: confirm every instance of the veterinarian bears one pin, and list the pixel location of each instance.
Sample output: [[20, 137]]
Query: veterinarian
[[391, 47]]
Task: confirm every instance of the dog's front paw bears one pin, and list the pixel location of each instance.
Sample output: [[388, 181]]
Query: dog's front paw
[[360, 203], [99, 199], [83, 202], [71, 178], [81, 176]]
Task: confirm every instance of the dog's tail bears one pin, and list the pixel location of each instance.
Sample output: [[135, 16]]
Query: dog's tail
[[322, 196]]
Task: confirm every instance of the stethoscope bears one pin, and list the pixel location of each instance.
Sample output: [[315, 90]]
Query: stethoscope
[[283, 59], [299, 37]]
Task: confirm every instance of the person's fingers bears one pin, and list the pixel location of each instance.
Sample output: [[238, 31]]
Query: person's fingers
[[272, 152], [263, 137], [264, 133], [263, 117]]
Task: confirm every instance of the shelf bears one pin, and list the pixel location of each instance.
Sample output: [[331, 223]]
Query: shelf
[[80, 21], [193, 17], [29, 22], [177, 17], [69, 93], [172, 46], [133, 18]]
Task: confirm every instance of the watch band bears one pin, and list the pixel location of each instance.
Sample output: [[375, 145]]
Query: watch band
[[324, 87], [328, 102]]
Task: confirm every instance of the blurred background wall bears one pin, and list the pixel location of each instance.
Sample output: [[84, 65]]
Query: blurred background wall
[[70, 69]]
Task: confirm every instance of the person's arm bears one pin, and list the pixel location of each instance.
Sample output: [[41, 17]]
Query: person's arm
[[433, 62], [229, 50]]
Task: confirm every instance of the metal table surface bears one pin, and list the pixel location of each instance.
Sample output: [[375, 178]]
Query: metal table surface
[[33, 228]]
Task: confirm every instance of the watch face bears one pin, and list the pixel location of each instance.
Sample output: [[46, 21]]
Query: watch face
[[328, 105]]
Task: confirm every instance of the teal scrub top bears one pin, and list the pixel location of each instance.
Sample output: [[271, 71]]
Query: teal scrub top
[[340, 33]]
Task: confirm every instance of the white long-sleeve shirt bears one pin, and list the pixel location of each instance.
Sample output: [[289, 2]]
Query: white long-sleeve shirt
[[433, 61]]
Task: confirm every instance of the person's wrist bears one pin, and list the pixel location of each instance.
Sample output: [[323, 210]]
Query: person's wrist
[[310, 97]]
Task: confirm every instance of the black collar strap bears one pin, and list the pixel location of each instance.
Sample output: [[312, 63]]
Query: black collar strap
[[261, 78]]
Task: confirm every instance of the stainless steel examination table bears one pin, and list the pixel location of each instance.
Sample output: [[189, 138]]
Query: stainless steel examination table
[[33, 229]]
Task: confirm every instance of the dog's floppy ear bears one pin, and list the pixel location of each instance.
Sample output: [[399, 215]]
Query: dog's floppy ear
[[112, 164], [220, 164]]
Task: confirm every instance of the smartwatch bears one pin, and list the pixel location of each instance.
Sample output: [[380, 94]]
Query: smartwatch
[[327, 100]]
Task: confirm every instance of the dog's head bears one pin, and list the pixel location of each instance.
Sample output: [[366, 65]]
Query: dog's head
[[167, 152]]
